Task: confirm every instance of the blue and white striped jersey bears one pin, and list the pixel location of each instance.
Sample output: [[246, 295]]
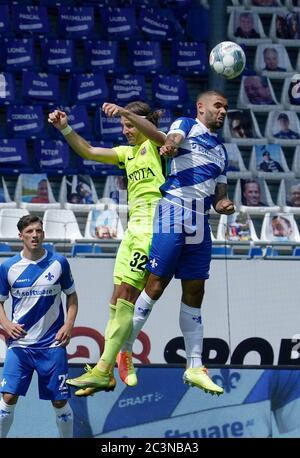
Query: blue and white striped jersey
[[35, 288], [201, 163]]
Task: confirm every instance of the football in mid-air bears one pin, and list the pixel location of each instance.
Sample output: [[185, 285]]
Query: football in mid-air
[[227, 59]]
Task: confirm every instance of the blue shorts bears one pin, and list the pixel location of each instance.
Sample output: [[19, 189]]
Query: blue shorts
[[177, 248], [50, 364]]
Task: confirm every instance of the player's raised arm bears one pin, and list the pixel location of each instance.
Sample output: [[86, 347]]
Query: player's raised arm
[[145, 126], [59, 120]]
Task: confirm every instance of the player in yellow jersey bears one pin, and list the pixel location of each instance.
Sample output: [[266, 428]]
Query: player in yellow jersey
[[144, 170]]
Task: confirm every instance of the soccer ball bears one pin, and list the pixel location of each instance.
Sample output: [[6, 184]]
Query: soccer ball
[[227, 59]]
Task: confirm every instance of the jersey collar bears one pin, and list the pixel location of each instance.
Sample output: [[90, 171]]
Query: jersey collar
[[205, 128]]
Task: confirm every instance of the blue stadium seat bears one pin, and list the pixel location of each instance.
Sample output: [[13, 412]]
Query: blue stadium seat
[[52, 156], [7, 89], [296, 251], [160, 24], [5, 28], [25, 121], [78, 119], [18, 53], [106, 128], [127, 88], [197, 24], [169, 91], [94, 168], [49, 247], [14, 156], [221, 251], [75, 22], [42, 88], [165, 120], [5, 248], [117, 23], [58, 55], [102, 55], [255, 252], [83, 248], [88, 88], [189, 58], [30, 20], [145, 56]]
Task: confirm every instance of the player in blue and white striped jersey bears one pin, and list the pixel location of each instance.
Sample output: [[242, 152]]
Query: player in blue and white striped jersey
[[38, 333], [181, 243]]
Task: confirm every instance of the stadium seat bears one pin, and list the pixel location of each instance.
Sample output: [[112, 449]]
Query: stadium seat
[[268, 161], [102, 55], [41, 88], [88, 88], [117, 23], [51, 155], [170, 91], [256, 93], [9, 218], [58, 55], [5, 249], [255, 252], [7, 89], [5, 200], [289, 196], [196, 16], [279, 227], [245, 27], [237, 227], [272, 61], [104, 223], [75, 22], [14, 156], [145, 57], [160, 24], [267, 8], [281, 29], [5, 27], [18, 54], [78, 193], [127, 88], [165, 120], [30, 20], [296, 162], [115, 189], [259, 201], [189, 58], [34, 192], [296, 251], [25, 121], [82, 248], [241, 127], [236, 167], [61, 225], [283, 127], [221, 251], [290, 95], [106, 128], [49, 247], [78, 119]]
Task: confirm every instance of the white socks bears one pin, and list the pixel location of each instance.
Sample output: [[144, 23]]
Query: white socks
[[192, 329], [6, 417], [142, 309], [64, 420]]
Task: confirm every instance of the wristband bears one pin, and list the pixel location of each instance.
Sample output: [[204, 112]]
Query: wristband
[[66, 130]]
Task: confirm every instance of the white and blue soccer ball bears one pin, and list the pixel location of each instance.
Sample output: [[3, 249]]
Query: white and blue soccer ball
[[227, 59]]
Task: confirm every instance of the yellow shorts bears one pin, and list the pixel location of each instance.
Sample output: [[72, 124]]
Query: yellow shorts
[[132, 258]]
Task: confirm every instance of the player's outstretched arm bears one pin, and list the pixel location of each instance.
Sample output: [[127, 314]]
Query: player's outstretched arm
[[142, 124], [221, 202], [59, 120]]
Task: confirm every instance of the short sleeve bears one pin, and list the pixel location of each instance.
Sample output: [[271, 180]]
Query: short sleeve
[[4, 285], [67, 282], [122, 152], [181, 126]]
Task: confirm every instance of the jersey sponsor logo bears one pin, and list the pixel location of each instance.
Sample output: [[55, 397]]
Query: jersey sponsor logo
[[23, 280], [33, 292], [234, 429], [140, 400], [210, 154], [140, 174]]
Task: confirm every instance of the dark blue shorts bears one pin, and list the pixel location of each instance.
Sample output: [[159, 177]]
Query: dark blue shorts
[[181, 243], [50, 364]]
